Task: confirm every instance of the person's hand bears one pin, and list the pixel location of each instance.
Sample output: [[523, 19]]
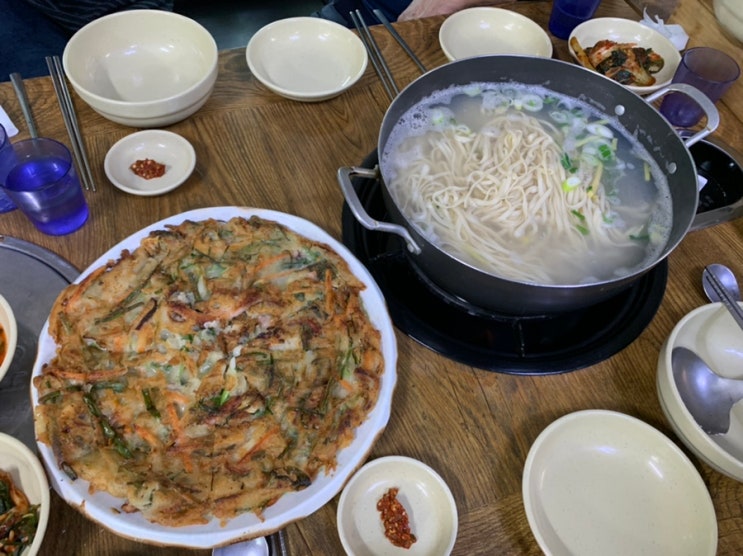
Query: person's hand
[[426, 8]]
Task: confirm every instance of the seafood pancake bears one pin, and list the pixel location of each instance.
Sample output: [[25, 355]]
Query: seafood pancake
[[214, 368]]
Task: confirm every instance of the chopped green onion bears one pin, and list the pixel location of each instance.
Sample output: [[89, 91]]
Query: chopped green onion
[[571, 183]]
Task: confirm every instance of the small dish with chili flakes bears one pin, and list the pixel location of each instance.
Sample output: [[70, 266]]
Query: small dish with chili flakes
[[397, 505], [150, 162], [8, 336]]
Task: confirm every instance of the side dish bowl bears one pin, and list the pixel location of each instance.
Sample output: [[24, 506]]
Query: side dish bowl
[[142, 68], [621, 30], [428, 502], [602, 482], [306, 58], [484, 31], [10, 331], [711, 333], [27, 473]]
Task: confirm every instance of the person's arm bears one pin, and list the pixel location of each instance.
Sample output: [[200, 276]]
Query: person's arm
[[425, 8]]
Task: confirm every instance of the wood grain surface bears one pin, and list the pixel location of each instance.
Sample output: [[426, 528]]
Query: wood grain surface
[[474, 427]]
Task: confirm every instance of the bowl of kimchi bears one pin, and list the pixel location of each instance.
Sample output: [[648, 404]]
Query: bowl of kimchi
[[8, 336], [638, 57]]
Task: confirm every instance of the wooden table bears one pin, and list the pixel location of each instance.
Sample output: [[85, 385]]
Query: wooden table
[[474, 427]]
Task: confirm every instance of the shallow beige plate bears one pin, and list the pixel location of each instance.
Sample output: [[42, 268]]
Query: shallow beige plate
[[104, 508], [28, 475], [424, 494], [486, 31], [162, 146], [601, 482], [621, 30]]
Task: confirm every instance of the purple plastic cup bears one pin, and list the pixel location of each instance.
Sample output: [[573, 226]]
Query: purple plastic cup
[[707, 69], [568, 14], [39, 177]]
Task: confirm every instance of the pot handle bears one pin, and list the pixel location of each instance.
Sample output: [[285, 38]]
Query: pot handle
[[345, 174], [713, 116]]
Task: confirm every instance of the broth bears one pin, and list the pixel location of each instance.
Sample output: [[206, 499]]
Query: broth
[[528, 185]]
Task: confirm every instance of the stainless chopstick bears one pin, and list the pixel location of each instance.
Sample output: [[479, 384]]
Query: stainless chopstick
[[380, 16], [730, 304], [70, 121], [20, 92], [375, 55]]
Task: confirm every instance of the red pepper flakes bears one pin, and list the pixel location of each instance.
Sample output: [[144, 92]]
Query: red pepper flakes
[[148, 168], [395, 519]]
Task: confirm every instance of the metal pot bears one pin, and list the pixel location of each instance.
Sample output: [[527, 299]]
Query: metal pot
[[634, 113]]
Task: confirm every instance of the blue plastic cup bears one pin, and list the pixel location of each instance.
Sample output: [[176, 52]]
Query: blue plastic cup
[[6, 205], [39, 177], [568, 14]]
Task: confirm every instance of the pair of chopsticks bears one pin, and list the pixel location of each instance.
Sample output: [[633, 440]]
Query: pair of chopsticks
[[70, 121], [375, 54]]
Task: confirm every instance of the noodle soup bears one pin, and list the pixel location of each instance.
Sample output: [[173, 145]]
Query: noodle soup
[[527, 185]]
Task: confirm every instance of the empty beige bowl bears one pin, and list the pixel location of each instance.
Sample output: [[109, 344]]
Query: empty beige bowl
[[8, 336], [142, 68], [306, 58], [491, 31]]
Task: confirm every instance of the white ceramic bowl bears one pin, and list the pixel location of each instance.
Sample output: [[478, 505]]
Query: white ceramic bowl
[[425, 496], [28, 474], [10, 328], [142, 68], [602, 482], [306, 58], [621, 30], [729, 14], [487, 31], [712, 334], [165, 147]]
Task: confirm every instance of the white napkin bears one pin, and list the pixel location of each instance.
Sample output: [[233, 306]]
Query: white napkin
[[674, 33], [10, 129]]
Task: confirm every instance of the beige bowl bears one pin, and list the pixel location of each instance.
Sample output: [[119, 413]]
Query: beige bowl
[[10, 329], [712, 334], [621, 30], [488, 31], [729, 14], [142, 68], [306, 58]]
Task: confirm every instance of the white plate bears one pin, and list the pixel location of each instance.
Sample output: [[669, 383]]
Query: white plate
[[162, 146], [291, 507], [487, 31], [601, 482], [29, 476], [621, 30], [424, 494]]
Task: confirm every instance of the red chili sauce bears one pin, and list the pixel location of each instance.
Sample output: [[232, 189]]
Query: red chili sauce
[[148, 168], [395, 519], [3, 344]]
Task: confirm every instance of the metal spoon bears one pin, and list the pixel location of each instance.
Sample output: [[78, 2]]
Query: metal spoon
[[720, 285], [708, 396], [254, 547]]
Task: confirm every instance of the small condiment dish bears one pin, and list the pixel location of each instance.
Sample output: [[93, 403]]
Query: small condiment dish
[[165, 147], [488, 31], [622, 30], [10, 333], [602, 482], [711, 333], [28, 474], [427, 500], [306, 58]]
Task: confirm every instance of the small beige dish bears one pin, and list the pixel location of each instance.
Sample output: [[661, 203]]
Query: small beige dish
[[602, 482], [487, 31], [621, 30], [142, 68], [711, 333], [10, 328], [730, 17], [161, 146], [306, 58], [28, 475], [424, 494]]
